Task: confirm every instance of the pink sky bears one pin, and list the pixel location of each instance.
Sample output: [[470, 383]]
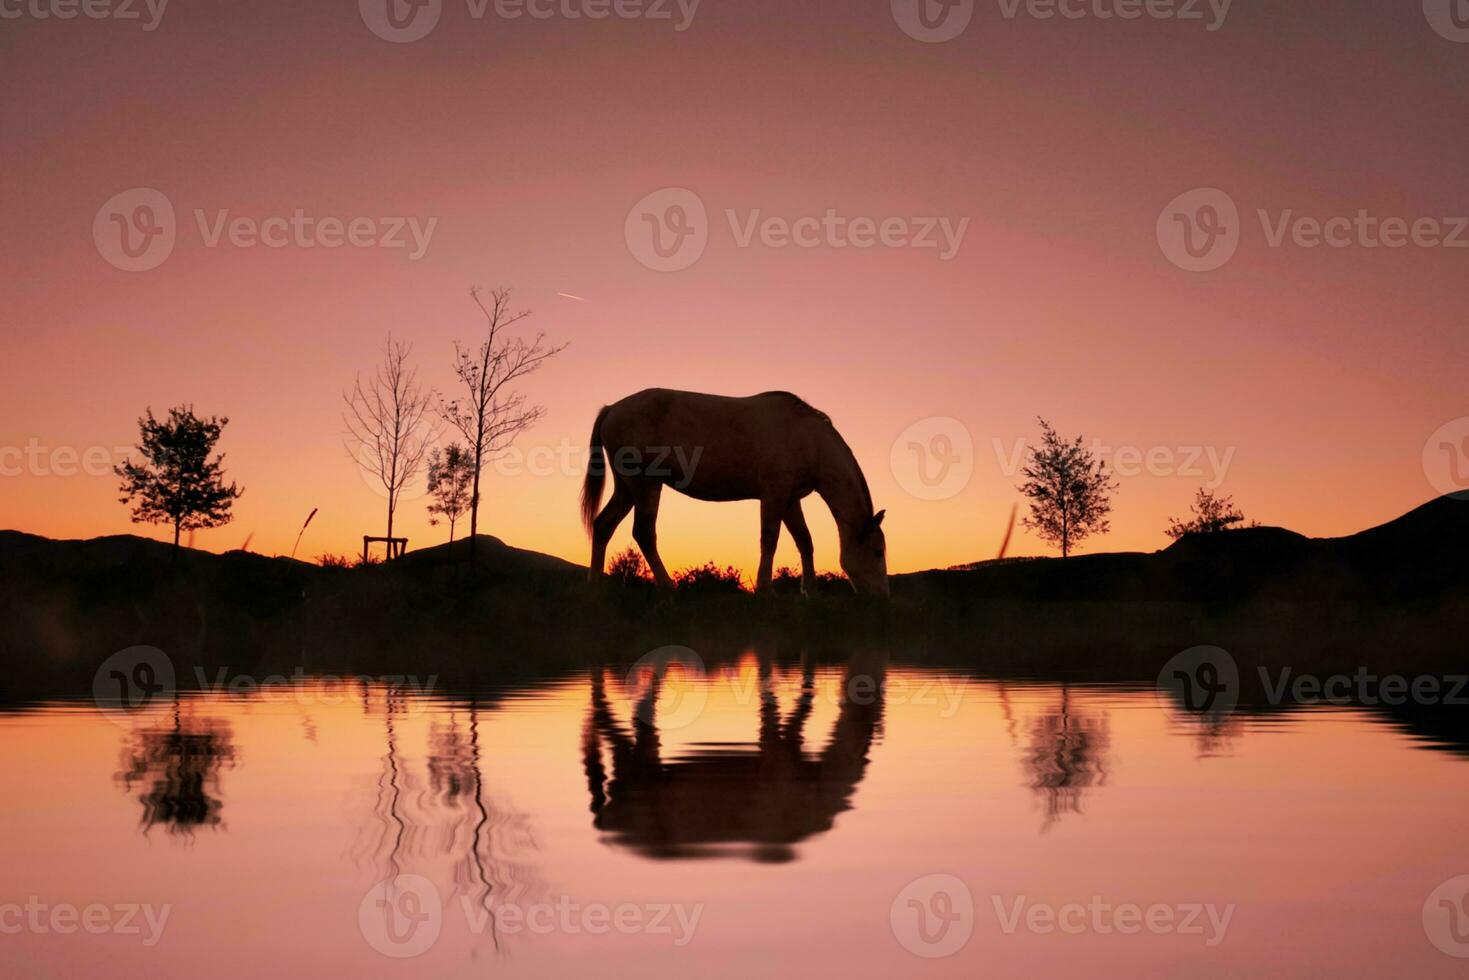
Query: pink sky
[[1323, 371]]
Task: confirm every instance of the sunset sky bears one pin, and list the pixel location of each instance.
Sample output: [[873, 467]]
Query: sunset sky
[[1319, 374]]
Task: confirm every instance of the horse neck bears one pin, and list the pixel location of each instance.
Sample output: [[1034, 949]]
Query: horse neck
[[842, 485]]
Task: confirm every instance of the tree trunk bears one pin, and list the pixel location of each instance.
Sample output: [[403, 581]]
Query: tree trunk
[[390, 529], [174, 555], [473, 518], [479, 457]]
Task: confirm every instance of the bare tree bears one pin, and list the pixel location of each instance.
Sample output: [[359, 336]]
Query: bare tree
[[490, 414], [387, 423], [1069, 489]]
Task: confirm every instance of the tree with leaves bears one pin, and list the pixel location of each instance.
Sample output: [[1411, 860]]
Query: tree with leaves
[[490, 413], [175, 481], [1069, 489], [387, 424], [450, 482], [1211, 514]]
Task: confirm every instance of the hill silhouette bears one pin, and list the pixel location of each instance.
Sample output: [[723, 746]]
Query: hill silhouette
[[1419, 555], [1269, 593]]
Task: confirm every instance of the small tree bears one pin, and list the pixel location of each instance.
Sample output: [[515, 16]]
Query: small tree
[[490, 414], [1211, 514], [176, 482], [450, 479], [1069, 489], [386, 424]]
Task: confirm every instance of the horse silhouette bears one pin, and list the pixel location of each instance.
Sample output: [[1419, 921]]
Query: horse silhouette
[[768, 796], [772, 447]]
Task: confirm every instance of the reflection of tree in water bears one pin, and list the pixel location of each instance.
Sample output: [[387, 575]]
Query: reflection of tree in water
[[452, 814], [1215, 737], [490, 832], [1067, 756], [176, 765]]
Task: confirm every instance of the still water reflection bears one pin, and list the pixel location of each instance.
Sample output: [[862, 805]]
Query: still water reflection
[[783, 818]]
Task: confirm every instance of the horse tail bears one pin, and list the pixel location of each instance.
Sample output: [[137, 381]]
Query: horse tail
[[591, 490]]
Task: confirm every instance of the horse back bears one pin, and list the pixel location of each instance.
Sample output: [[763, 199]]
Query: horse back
[[717, 447]]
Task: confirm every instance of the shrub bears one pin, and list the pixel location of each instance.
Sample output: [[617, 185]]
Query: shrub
[[709, 577], [629, 568]]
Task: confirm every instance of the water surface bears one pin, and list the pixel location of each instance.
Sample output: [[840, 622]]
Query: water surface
[[751, 821]]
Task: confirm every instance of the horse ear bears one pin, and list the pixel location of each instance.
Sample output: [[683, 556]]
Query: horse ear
[[875, 522]]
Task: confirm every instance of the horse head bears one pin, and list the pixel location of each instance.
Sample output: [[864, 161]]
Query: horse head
[[865, 556]]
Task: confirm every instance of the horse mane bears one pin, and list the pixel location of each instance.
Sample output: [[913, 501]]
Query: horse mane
[[804, 404]]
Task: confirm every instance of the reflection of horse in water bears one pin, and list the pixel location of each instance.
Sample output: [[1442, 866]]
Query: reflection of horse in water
[[770, 795]]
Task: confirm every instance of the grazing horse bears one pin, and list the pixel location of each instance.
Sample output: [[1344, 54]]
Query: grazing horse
[[773, 448]]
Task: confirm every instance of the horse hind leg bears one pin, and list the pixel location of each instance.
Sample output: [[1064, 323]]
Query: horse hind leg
[[645, 529], [606, 525]]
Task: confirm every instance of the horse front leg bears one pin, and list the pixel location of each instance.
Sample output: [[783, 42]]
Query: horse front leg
[[771, 512], [645, 531], [795, 522]]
